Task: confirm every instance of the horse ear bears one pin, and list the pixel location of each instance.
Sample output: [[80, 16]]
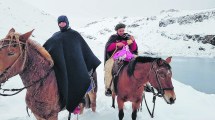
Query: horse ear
[[168, 60], [12, 30], [24, 37]]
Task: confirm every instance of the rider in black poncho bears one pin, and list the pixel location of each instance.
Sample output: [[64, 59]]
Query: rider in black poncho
[[73, 59]]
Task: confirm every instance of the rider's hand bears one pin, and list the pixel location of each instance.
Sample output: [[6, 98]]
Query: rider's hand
[[120, 44], [129, 42], [132, 38]]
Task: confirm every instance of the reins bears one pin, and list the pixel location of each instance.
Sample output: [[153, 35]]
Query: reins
[[21, 89], [153, 100], [154, 96], [114, 52], [159, 94]]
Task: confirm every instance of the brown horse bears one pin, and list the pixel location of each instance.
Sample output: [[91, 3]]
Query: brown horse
[[134, 76], [23, 56]]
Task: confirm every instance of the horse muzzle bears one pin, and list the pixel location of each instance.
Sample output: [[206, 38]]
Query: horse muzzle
[[169, 96]]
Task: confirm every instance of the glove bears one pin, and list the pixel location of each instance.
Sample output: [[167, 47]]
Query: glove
[[129, 42]]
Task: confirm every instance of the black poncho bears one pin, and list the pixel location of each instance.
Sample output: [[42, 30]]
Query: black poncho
[[72, 60]]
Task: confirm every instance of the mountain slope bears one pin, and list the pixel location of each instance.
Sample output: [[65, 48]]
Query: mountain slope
[[23, 17], [173, 39]]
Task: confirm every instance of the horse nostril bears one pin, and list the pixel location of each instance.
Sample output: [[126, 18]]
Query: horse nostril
[[171, 100]]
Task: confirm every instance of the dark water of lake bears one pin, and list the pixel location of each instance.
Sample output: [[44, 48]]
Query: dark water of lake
[[196, 72]]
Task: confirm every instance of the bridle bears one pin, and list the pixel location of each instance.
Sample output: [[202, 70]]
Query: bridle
[[160, 90], [9, 70]]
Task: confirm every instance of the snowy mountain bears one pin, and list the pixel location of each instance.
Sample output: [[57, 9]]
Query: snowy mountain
[[191, 39], [23, 17], [192, 19], [190, 104]]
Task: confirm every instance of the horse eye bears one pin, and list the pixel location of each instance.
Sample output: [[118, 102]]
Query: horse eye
[[10, 53], [162, 75]]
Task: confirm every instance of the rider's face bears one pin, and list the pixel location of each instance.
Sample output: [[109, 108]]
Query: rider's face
[[121, 31], [62, 24]]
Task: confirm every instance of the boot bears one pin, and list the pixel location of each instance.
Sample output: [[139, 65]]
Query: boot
[[108, 92]]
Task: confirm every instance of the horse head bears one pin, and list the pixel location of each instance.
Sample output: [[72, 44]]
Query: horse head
[[160, 78], [12, 54]]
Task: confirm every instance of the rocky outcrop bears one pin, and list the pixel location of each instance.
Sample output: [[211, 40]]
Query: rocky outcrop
[[202, 38], [188, 19], [199, 38]]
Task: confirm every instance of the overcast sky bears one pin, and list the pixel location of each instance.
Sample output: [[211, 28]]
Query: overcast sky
[[110, 8], [106, 8]]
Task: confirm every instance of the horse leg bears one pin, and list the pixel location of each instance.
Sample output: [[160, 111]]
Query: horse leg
[[134, 115], [113, 99], [87, 101], [120, 107], [92, 96], [135, 106], [95, 81]]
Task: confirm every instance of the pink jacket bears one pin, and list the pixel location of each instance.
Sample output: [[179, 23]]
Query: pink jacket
[[112, 46]]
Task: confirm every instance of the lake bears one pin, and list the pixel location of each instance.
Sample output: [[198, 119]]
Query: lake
[[196, 72]]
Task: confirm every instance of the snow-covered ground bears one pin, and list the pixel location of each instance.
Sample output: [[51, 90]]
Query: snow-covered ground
[[190, 104]]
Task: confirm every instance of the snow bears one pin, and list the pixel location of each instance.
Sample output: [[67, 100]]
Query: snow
[[190, 104], [148, 36]]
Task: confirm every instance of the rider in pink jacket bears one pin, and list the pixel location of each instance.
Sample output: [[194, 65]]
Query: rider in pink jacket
[[115, 43], [118, 40]]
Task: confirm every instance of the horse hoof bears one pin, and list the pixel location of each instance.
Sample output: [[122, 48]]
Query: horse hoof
[[94, 109]]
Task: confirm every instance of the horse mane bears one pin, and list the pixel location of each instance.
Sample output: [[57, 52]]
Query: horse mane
[[41, 50], [39, 62], [139, 59]]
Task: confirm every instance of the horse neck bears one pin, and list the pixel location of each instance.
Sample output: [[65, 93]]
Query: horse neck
[[36, 66], [144, 72]]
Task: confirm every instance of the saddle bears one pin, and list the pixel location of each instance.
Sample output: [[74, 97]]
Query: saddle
[[117, 67]]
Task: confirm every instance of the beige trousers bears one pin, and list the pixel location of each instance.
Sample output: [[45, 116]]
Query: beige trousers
[[108, 74]]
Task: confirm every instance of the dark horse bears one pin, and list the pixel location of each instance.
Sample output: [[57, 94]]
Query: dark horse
[[23, 56], [134, 76]]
